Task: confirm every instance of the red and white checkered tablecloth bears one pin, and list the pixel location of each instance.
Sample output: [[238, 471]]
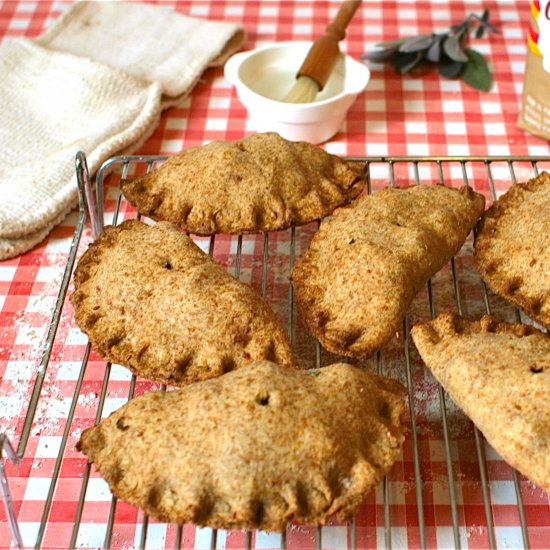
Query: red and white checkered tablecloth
[[418, 114]]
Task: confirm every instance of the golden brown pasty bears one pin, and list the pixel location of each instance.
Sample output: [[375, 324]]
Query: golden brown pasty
[[257, 184], [512, 247], [149, 299], [256, 448], [365, 265], [499, 375]]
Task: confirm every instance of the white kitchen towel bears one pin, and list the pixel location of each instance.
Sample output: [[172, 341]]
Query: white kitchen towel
[[150, 42], [96, 81]]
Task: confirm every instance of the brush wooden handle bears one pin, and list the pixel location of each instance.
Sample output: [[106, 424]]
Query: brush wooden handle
[[324, 52]]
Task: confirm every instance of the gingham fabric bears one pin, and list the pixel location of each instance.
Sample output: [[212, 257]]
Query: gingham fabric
[[420, 114]]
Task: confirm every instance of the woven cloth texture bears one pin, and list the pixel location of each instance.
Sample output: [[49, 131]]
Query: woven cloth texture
[[90, 83]]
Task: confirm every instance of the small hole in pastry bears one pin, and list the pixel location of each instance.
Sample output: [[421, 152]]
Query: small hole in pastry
[[167, 265], [121, 425], [536, 369], [262, 399]]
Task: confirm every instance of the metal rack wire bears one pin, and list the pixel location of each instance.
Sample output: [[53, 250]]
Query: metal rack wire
[[96, 212]]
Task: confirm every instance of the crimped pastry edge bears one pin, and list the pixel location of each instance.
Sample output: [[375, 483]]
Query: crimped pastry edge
[[342, 506], [505, 286], [353, 191]]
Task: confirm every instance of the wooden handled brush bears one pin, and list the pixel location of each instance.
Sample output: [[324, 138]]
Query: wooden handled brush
[[322, 56]]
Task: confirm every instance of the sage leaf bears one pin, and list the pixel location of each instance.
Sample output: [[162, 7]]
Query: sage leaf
[[476, 72], [449, 67], [434, 52], [452, 48], [379, 55], [405, 62], [447, 50], [483, 24], [416, 44], [391, 43]]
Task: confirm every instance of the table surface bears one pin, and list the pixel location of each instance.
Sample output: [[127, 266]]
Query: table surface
[[418, 114]]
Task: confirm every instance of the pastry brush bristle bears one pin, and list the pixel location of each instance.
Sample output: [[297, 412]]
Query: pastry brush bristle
[[305, 90]]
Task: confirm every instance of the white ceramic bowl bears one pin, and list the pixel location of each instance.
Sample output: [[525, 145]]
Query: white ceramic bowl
[[264, 76]]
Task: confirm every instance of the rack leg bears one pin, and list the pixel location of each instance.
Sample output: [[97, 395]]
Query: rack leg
[[86, 194], [7, 449]]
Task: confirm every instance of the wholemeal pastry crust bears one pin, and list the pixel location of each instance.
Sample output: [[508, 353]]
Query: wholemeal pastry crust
[[512, 247], [149, 299], [254, 449], [257, 184], [365, 265], [499, 375]]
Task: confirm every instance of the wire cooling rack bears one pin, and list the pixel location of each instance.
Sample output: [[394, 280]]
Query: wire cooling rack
[[448, 489]]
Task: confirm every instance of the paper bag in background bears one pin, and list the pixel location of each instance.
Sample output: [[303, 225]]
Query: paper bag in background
[[535, 111]]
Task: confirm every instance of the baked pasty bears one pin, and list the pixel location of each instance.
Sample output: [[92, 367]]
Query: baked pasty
[[149, 299], [256, 448], [258, 184], [512, 247], [365, 265], [499, 375]]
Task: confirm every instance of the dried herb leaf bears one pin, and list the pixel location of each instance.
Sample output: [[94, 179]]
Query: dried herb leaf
[[449, 67], [453, 49], [476, 72], [391, 43], [416, 44], [434, 52], [405, 62], [446, 50], [481, 29], [379, 55]]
